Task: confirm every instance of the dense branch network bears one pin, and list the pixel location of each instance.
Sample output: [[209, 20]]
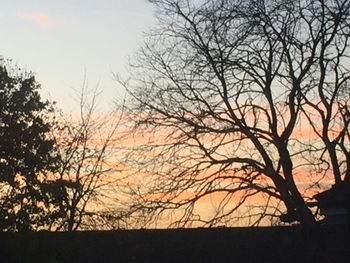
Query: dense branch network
[[222, 89]]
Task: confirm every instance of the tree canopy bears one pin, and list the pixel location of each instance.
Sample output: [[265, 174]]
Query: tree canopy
[[30, 198], [54, 169], [244, 102]]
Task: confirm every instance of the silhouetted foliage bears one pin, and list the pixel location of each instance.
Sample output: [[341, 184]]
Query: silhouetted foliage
[[55, 172], [241, 101], [30, 198]]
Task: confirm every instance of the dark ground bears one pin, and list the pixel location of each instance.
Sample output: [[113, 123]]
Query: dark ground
[[282, 244]]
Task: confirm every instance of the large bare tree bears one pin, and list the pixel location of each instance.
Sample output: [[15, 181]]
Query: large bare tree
[[242, 102]]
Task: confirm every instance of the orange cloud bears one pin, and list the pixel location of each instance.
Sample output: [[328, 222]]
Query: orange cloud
[[40, 19]]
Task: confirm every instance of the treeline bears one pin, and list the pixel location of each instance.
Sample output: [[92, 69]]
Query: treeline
[[51, 164], [238, 112]]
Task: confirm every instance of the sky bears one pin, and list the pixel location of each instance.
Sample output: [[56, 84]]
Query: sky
[[65, 42]]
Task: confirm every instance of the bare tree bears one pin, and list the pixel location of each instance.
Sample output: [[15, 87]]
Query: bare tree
[[87, 142], [222, 89], [326, 99]]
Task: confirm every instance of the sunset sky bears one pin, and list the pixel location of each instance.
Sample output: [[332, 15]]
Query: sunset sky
[[62, 40]]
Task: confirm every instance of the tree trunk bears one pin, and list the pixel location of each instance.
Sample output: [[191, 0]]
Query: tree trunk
[[306, 218], [303, 213]]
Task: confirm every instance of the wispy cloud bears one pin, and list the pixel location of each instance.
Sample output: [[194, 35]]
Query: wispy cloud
[[38, 18]]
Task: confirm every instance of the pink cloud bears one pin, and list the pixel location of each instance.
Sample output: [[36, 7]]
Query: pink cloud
[[40, 19]]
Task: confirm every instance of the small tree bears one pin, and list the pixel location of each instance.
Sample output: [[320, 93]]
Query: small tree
[[87, 142], [29, 198], [227, 87]]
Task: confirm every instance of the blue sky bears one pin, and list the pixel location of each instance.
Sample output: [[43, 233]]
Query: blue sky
[[64, 40]]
